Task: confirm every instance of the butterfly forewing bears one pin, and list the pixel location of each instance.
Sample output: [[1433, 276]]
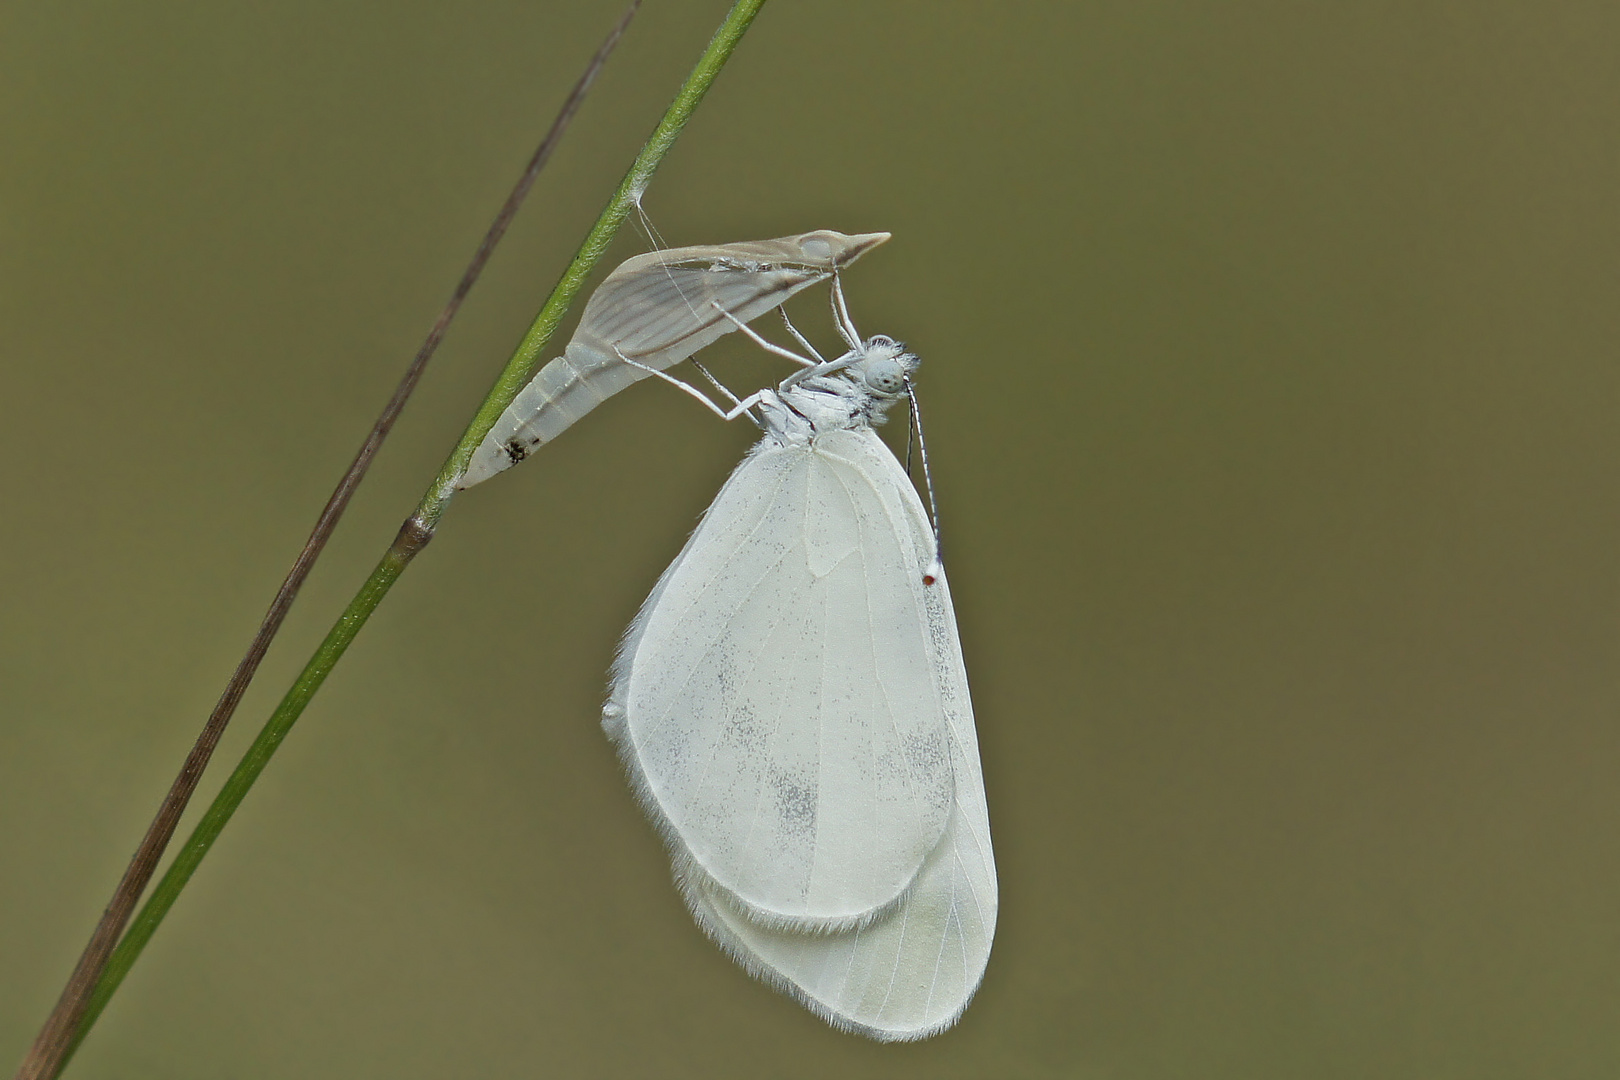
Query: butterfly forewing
[[782, 710]]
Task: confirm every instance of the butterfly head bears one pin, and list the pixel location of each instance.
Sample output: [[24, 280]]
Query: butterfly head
[[884, 367]]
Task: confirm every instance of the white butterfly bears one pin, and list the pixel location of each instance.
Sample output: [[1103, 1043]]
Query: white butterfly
[[793, 711]]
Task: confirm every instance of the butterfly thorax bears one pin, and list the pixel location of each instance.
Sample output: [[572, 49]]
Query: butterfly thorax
[[857, 391]]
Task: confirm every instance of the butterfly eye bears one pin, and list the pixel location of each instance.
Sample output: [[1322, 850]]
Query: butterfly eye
[[886, 376]]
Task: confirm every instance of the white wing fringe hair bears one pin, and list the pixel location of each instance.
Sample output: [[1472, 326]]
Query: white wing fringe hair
[[791, 703]]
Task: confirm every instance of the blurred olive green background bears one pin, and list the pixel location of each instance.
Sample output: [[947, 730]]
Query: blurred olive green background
[[1271, 385]]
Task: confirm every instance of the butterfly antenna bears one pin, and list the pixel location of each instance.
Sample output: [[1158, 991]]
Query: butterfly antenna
[[928, 479], [911, 431]]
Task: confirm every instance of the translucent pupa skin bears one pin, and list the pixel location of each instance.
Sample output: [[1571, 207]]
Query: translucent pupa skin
[[792, 709], [656, 310]]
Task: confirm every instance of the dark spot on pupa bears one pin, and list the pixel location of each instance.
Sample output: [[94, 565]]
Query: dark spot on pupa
[[516, 451]]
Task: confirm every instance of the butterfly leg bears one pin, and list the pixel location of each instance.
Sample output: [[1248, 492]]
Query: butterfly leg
[[794, 330], [846, 325], [826, 367], [714, 382], [769, 346], [736, 402], [740, 408]]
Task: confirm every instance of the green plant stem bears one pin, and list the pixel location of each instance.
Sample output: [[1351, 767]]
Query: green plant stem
[[418, 529]]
